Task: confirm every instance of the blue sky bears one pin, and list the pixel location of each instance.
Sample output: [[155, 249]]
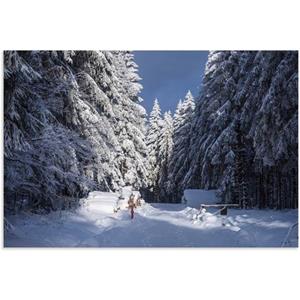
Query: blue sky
[[168, 75]]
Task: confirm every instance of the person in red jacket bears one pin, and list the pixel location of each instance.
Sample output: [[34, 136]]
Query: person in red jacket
[[131, 205]]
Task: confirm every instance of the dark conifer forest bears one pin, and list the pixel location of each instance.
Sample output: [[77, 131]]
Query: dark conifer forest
[[74, 122]]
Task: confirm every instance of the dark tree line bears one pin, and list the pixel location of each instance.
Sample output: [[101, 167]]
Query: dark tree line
[[73, 123], [242, 137]]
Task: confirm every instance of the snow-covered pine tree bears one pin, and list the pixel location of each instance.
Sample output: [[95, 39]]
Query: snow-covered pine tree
[[177, 119], [48, 167], [130, 121], [152, 141], [88, 112], [109, 85], [212, 128], [98, 81], [181, 138], [165, 153]]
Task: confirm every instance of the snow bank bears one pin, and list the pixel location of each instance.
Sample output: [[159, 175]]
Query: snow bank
[[104, 202], [107, 202], [204, 218], [195, 197]]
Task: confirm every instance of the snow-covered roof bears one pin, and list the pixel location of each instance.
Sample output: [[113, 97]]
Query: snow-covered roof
[[196, 197]]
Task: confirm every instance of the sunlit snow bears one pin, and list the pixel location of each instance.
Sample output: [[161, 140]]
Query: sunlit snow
[[95, 224]]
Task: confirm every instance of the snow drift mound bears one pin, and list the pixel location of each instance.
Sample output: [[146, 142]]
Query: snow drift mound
[[108, 202], [104, 202], [204, 218]]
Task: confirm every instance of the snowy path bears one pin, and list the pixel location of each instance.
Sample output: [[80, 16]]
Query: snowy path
[[156, 225]]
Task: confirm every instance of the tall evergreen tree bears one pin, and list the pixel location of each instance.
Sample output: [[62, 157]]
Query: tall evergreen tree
[[177, 120], [212, 131], [130, 122], [153, 135], [178, 164], [165, 153]]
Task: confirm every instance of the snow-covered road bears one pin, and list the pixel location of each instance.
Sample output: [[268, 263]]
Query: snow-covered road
[[155, 225]]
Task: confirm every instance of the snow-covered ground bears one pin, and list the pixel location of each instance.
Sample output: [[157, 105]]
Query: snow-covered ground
[[155, 225]]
